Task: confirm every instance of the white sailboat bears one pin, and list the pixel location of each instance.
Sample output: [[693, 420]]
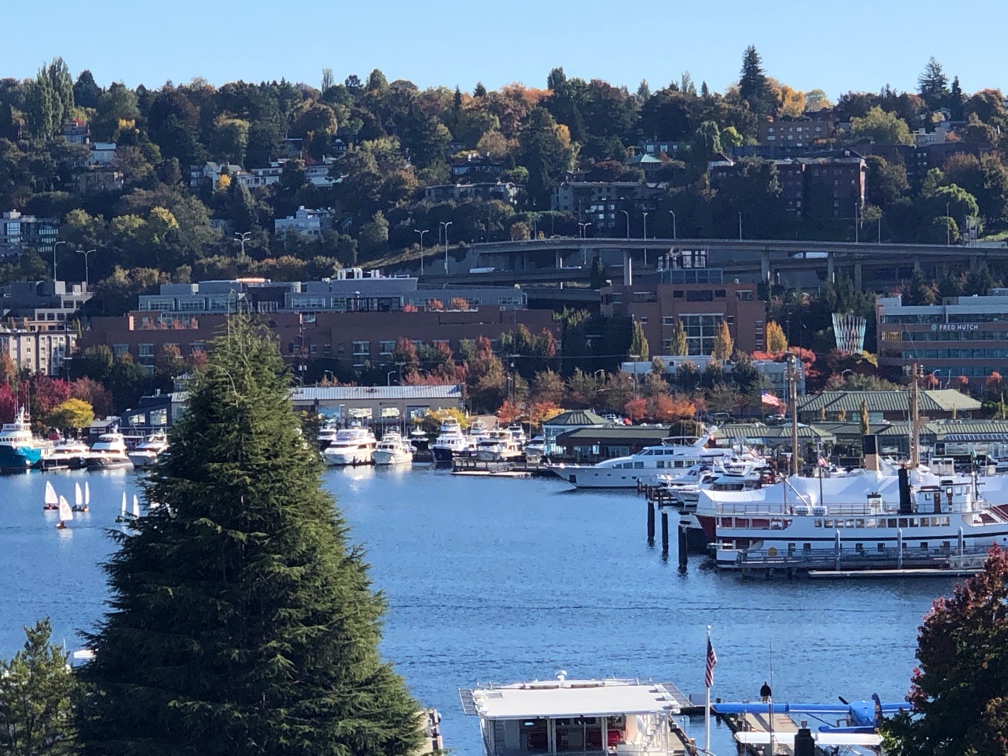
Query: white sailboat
[[87, 495], [51, 500], [136, 507], [65, 513], [122, 512], [80, 502]]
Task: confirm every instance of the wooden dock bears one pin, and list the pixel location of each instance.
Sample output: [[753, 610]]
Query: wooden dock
[[761, 722]]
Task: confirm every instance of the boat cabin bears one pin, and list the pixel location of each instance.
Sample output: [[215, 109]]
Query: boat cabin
[[584, 717]]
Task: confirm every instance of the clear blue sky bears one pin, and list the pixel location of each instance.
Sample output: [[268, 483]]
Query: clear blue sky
[[856, 44]]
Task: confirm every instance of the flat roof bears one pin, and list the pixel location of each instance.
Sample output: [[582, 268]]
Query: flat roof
[[572, 698]]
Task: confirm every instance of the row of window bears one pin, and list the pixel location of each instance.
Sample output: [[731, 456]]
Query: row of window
[[929, 336], [946, 354], [954, 317]]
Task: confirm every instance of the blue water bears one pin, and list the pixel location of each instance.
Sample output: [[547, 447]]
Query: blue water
[[506, 580]]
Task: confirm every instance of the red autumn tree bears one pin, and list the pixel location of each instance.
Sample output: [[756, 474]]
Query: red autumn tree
[[635, 409], [508, 412], [8, 403]]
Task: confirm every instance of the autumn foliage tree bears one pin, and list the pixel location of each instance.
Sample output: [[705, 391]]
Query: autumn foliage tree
[[776, 341], [959, 691]]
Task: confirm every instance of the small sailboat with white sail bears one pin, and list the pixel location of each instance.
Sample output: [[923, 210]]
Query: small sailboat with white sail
[[65, 513], [80, 500], [122, 511], [136, 507], [51, 499]]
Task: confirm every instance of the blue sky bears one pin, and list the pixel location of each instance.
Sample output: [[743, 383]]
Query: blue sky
[[856, 44]]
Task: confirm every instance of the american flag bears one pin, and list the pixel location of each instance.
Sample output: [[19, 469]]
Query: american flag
[[711, 663], [770, 400]]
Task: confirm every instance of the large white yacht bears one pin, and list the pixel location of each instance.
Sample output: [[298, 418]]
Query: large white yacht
[[650, 465], [499, 446], [146, 454], [451, 442], [66, 454], [393, 449], [108, 452], [327, 433], [351, 446]]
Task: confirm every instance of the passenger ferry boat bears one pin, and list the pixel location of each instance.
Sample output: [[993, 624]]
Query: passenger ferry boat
[[108, 452], [451, 442], [675, 455], [913, 513], [351, 446], [19, 450], [499, 446], [393, 449], [585, 717]]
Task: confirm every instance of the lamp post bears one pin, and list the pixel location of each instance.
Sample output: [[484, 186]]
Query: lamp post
[[241, 239], [446, 224], [54, 258], [645, 238], [582, 229], [421, 232], [948, 230], [584, 233], [634, 357], [86, 255], [673, 225], [627, 214], [388, 378], [740, 225]]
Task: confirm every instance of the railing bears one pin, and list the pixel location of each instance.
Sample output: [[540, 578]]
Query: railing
[[938, 558]]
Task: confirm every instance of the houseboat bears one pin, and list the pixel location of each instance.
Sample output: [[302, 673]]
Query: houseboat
[[586, 717]]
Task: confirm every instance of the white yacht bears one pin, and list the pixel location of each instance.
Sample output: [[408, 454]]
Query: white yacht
[[518, 434], [585, 717], [327, 433], [351, 446], [108, 452], [393, 449], [535, 448], [451, 442], [649, 466], [66, 454], [478, 431], [499, 446], [146, 454]]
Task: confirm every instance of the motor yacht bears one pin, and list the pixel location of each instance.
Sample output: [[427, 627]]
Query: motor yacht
[[499, 446], [19, 449], [393, 449], [535, 448], [451, 442], [108, 452], [66, 454], [478, 431], [327, 434], [146, 454], [418, 439], [351, 446]]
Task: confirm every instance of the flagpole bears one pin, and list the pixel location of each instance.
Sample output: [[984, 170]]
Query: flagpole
[[707, 707]]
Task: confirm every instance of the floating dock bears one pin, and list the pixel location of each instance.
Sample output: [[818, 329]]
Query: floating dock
[[889, 563], [510, 469]]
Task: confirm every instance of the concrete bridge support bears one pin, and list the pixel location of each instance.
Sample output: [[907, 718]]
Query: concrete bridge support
[[857, 275], [830, 270], [765, 265], [627, 268]]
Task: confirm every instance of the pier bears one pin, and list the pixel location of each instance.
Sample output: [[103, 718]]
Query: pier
[[888, 563]]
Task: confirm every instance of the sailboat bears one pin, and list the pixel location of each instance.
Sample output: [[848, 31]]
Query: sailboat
[[65, 513], [136, 507], [122, 512], [80, 502], [51, 500]]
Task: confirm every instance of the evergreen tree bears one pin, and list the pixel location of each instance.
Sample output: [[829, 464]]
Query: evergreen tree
[[956, 101], [241, 621], [933, 85], [36, 690], [754, 87], [639, 349]]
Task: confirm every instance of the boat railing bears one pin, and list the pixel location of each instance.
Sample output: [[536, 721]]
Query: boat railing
[[860, 558]]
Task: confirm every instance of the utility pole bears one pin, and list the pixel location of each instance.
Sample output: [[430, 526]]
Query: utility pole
[[855, 222], [446, 224], [915, 417], [793, 400]]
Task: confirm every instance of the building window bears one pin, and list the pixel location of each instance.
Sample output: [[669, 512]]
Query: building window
[[118, 349], [385, 348], [701, 330], [361, 352]]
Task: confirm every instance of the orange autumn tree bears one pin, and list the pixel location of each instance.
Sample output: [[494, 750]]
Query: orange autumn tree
[[636, 409], [508, 412]]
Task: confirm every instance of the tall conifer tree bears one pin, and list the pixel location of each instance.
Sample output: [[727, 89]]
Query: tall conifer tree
[[241, 619]]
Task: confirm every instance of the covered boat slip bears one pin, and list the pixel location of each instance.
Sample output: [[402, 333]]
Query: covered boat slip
[[584, 717]]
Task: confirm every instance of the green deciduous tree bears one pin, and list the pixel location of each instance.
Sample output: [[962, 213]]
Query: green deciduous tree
[[37, 690], [71, 415], [880, 127], [241, 619]]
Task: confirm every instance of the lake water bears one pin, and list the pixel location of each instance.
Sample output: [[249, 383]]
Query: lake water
[[505, 580]]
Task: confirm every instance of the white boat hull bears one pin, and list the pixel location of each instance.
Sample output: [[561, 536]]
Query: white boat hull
[[143, 458], [108, 462], [349, 457], [382, 457]]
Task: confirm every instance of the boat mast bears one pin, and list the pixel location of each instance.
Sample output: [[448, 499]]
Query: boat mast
[[793, 400]]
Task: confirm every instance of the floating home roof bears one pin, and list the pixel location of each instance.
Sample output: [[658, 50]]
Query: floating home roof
[[577, 418], [731, 431], [888, 400], [365, 393], [571, 698]]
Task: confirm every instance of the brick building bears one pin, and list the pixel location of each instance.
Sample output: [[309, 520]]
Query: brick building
[[698, 299]]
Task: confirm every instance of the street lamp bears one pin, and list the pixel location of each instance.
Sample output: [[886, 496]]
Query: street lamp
[[645, 238], [54, 258], [855, 222], [948, 229], [740, 225], [582, 228], [627, 214], [446, 224], [673, 225], [86, 255], [388, 378], [634, 357], [241, 239], [421, 232]]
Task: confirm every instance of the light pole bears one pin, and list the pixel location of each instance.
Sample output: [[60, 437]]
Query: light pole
[[673, 225], [645, 238], [634, 357], [584, 251], [421, 232], [948, 229], [446, 224], [241, 239], [855, 222], [388, 378], [54, 258], [582, 228], [627, 214], [740, 225], [86, 255]]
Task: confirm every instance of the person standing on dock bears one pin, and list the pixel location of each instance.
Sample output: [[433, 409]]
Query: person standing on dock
[[765, 692]]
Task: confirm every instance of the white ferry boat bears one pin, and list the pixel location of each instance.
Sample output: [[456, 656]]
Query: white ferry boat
[[675, 455], [913, 513], [108, 452], [351, 446], [499, 446], [585, 717], [393, 449], [451, 442]]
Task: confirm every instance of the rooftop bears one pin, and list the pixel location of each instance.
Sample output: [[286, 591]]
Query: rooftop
[[374, 393], [578, 418], [890, 400], [571, 698]]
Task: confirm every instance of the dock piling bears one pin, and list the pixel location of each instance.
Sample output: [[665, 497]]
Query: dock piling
[[650, 523], [664, 533], [683, 547]]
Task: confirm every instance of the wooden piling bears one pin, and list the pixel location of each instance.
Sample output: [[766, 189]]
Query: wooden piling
[[664, 533], [683, 547], [650, 523]]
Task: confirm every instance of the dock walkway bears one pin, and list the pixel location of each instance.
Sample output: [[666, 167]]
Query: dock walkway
[[760, 722]]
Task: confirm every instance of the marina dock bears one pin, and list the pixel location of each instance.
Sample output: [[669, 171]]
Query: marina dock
[[510, 469], [780, 725]]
